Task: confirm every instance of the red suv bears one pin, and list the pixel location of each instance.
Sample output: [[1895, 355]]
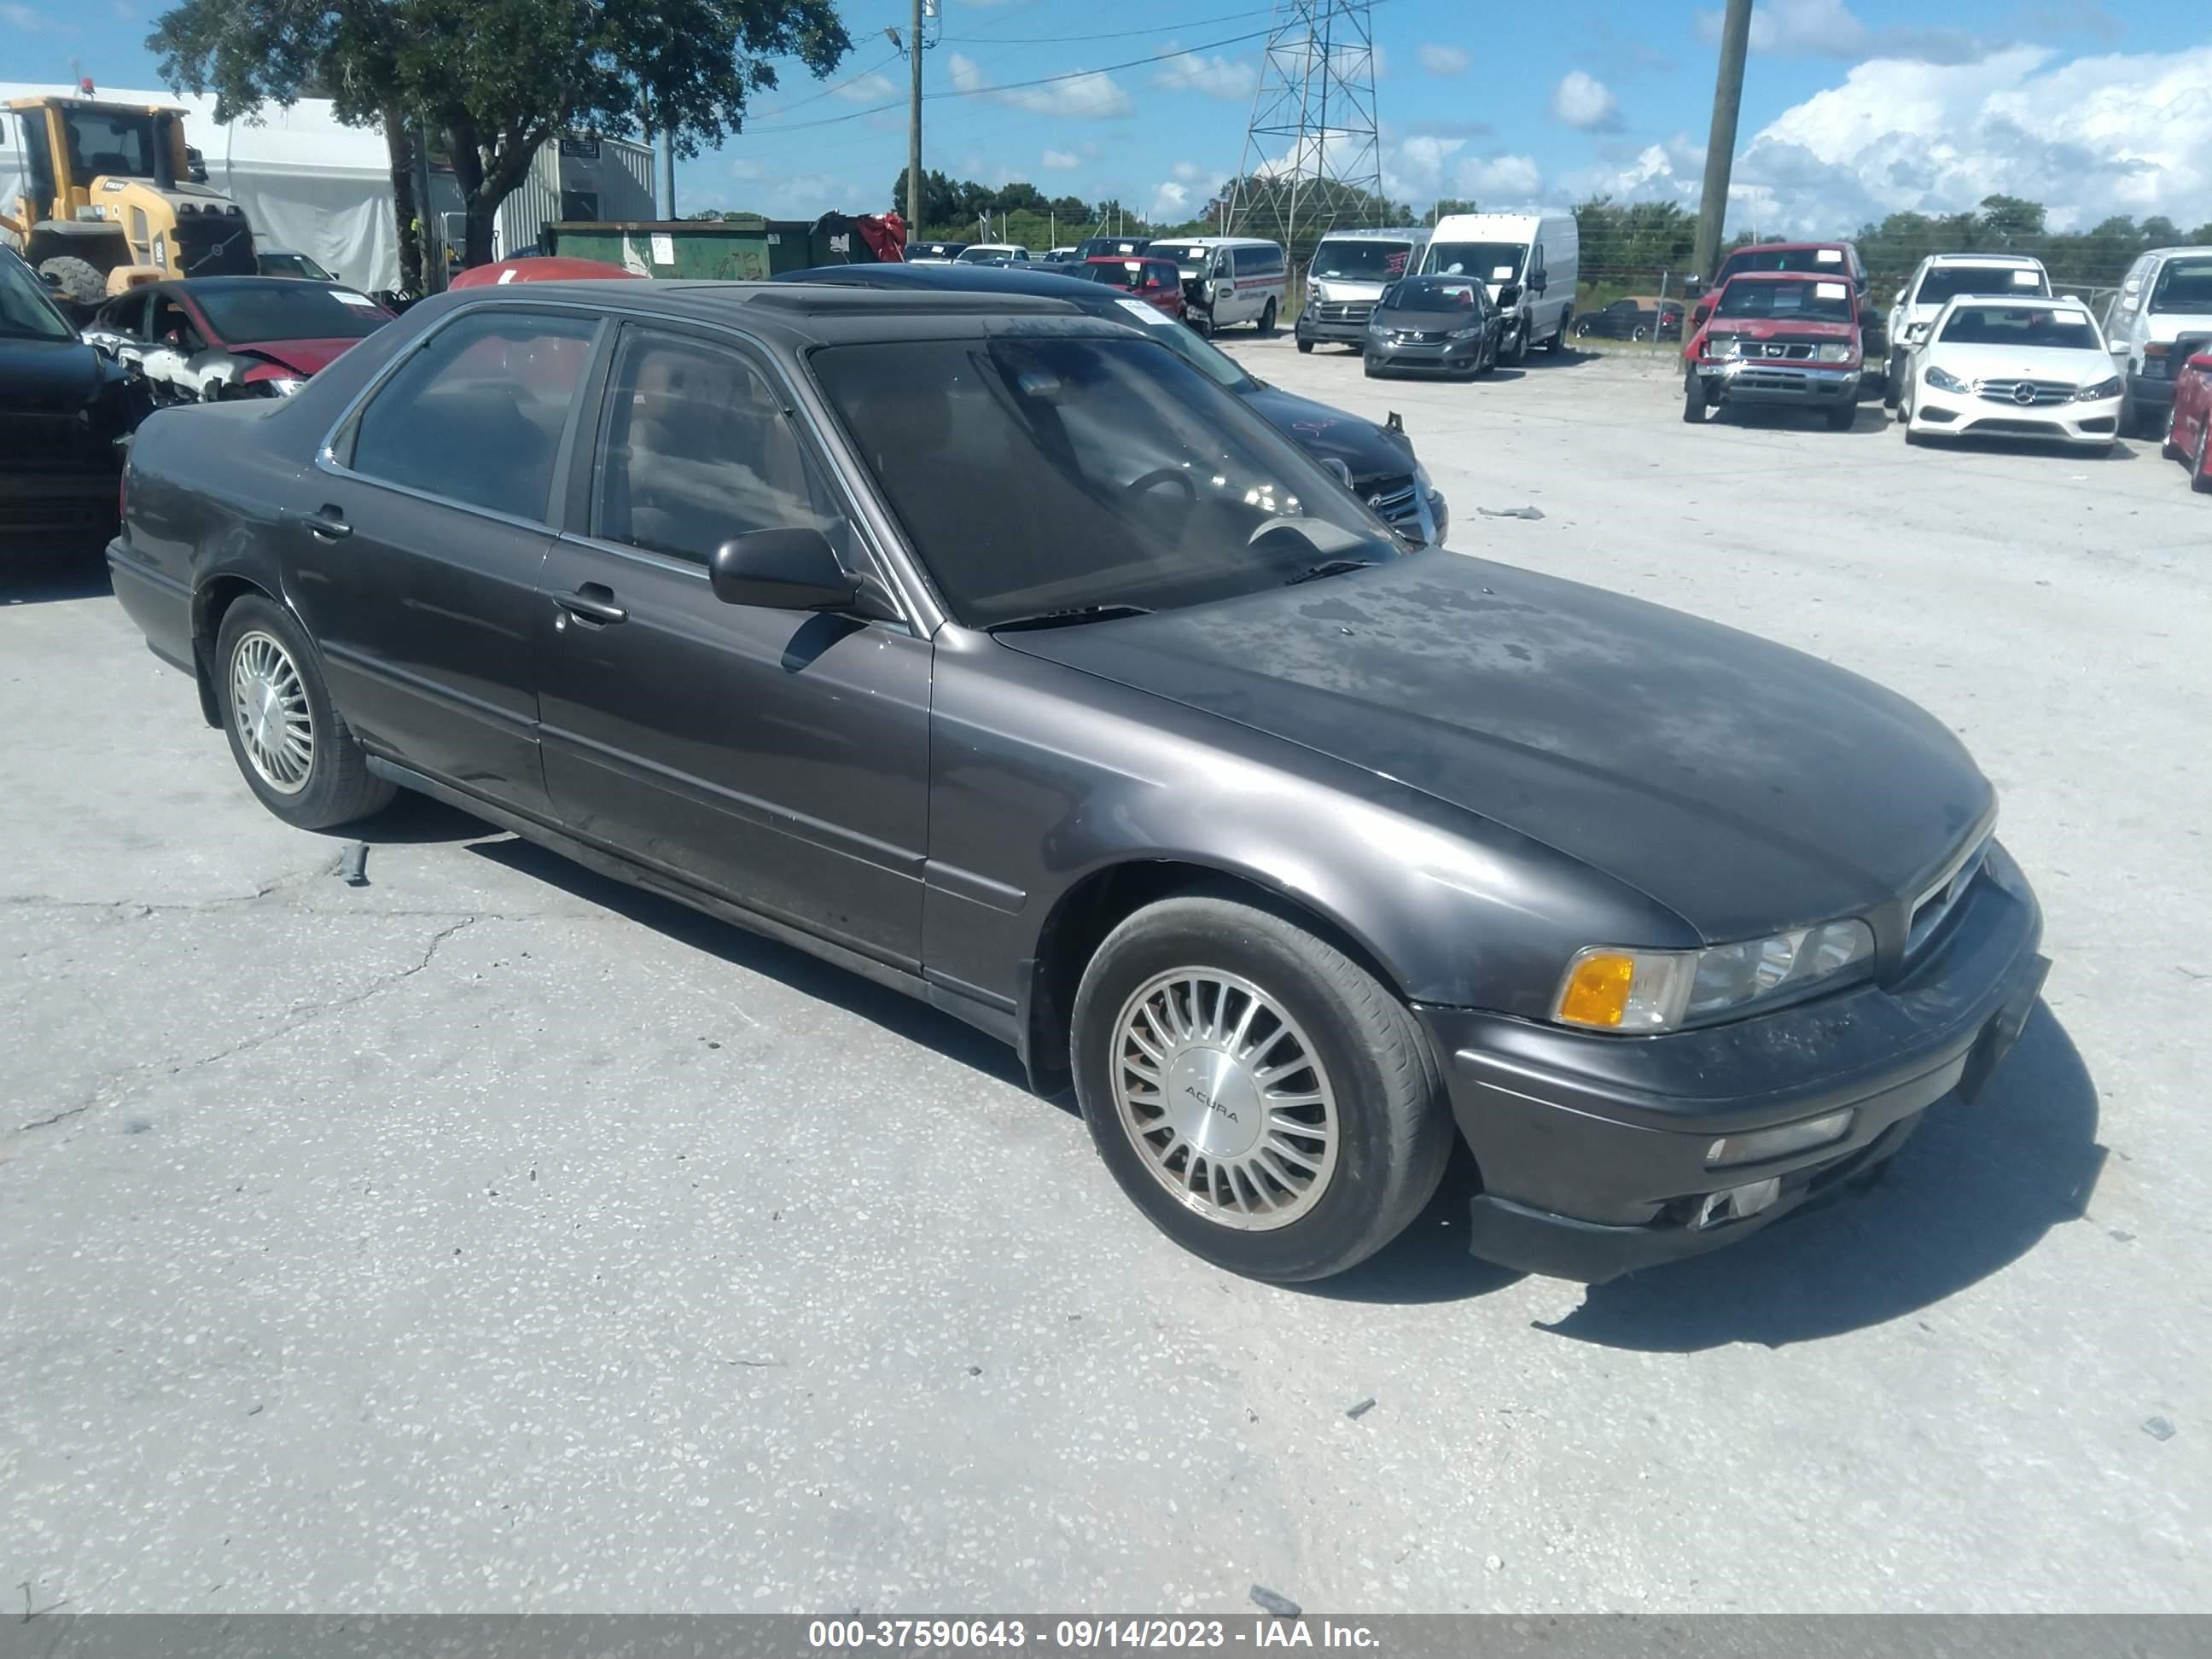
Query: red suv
[[1779, 338], [1158, 283], [2189, 430]]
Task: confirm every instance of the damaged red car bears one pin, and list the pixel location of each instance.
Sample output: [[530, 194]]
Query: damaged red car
[[211, 337]]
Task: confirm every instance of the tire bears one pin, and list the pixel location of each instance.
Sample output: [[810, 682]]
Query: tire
[[1519, 354], [78, 281], [2200, 470], [1557, 345], [1893, 382], [260, 642], [1581, 330], [2137, 423], [1267, 323], [1487, 363], [1844, 419], [1305, 348], [1367, 367], [2167, 447], [1188, 977], [1638, 334], [1694, 402]]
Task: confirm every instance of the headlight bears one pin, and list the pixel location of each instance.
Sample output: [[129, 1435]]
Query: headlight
[[2098, 392], [1722, 345], [1943, 381], [1835, 352], [1467, 333], [282, 387], [1611, 989]]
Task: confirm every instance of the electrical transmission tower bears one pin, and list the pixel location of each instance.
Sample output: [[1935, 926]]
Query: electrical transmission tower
[[1312, 157]]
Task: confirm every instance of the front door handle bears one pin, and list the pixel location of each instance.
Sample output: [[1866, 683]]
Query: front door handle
[[590, 604], [326, 521]]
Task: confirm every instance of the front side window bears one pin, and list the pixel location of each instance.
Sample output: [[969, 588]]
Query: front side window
[[1486, 262], [291, 311], [476, 414], [172, 325], [1035, 475], [25, 313], [2021, 325], [696, 449], [2183, 285], [1810, 300]]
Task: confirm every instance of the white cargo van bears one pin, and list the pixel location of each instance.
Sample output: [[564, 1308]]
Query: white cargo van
[[1347, 274], [2160, 317], [1230, 279], [1535, 255]]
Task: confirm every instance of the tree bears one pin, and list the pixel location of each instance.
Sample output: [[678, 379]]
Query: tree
[[2011, 219], [1450, 204], [940, 199], [1022, 197], [2158, 231], [1073, 210], [492, 80]]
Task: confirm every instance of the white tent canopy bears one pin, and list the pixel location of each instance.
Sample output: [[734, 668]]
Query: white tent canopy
[[306, 181]]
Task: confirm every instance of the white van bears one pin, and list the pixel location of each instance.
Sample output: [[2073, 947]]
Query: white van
[[2161, 316], [1230, 279], [1347, 274], [1537, 256]]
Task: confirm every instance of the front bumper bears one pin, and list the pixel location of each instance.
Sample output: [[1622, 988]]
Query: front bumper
[[1592, 1149], [2149, 391], [1324, 324], [1446, 356], [1970, 415], [1779, 383]]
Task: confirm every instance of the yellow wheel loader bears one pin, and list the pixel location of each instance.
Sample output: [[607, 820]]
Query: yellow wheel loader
[[113, 198]]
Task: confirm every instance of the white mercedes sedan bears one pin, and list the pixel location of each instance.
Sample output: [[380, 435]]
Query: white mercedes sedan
[[1999, 368]]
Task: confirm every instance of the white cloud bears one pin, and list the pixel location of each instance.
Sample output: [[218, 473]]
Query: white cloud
[[1059, 160], [2089, 138], [27, 22], [775, 187], [1217, 77], [1488, 178], [1829, 29], [1090, 95], [1443, 60], [1170, 203], [1583, 101], [1414, 171], [866, 89], [1186, 171]]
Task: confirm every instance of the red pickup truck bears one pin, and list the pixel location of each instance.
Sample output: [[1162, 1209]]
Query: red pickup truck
[[1778, 339]]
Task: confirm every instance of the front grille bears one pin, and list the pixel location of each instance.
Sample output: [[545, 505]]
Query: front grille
[[1768, 380], [2024, 393], [1395, 499], [2018, 428], [1344, 311], [1934, 906], [1798, 351]]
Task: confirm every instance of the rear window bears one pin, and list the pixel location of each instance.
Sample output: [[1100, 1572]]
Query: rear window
[[1944, 282], [283, 310], [2183, 285], [2020, 326], [1812, 299]]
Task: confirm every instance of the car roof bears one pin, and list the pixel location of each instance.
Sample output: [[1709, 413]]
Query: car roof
[[1782, 247], [1410, 232], [2038, 301], [1782, 276]]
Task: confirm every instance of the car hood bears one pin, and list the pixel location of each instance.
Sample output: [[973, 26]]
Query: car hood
[[2084, 367], [1369, 451], [2172, 325], [302, 357], [49, 376], [1770, 328], [1464, 316], [1745, 786]]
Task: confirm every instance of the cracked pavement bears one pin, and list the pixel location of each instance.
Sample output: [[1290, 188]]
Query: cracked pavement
[[492, 1236]]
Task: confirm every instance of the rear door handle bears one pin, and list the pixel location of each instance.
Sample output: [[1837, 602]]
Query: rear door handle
[[326, 521], [592, 604]]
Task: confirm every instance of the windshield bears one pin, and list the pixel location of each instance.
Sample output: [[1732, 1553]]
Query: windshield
[[26, 314], [983, 251], [1363, 260], [2021, 325], [1050, 474], [117, 142], [1132, 274], [1182, 253], [289, 311], [1488, 262], [293, 265], [1781, 258], [1942, 282], [1809, 300], [1113, 245], [2183, 285], [1431, 294]]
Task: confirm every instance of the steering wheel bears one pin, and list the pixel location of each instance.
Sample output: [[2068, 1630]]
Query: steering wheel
[[1160, 475]]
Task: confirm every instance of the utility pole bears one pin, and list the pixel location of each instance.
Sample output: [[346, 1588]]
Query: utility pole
[[1720, 145], [914, 125], [667, 174]]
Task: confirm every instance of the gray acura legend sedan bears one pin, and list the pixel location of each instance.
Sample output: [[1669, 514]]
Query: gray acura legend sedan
[[993, 651]]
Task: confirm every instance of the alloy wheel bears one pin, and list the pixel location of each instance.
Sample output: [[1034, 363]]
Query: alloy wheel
[[269, 706], [1224, 1098]]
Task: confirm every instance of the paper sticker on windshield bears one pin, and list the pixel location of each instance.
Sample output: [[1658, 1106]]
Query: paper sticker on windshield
[[1827, 291], [1501, 273], [1829, 256], [1143, 313], [361, 300], [2023, 279]]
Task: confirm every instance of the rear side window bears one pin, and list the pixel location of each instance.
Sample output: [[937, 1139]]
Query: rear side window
[[697, 449], [476, 416]]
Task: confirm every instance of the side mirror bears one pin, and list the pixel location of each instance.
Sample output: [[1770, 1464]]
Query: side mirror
[[1509, 296], [782, 570], [1536, 283], [1335, 467]]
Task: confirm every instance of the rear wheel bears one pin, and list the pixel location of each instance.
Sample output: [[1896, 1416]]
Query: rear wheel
[[291, 744], [1268, 318], [2200, 470], [1267, 1103]]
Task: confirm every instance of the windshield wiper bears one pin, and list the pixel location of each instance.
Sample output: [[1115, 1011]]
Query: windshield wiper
[[1077, 613], [1333, 567]]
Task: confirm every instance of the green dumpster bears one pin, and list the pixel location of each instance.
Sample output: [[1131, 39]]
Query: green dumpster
[[723, 250]]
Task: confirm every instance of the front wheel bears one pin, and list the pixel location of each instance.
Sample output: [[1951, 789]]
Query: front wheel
[[1267, 319], [1693, 401], [1843, 419], [2200, 470], [2169, 448], [293, 747], [1268, 1103], [1893, 382], [1305, 347], [1369, 367]]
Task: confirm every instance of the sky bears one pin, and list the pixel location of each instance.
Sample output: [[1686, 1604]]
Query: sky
[[1852, 108]]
